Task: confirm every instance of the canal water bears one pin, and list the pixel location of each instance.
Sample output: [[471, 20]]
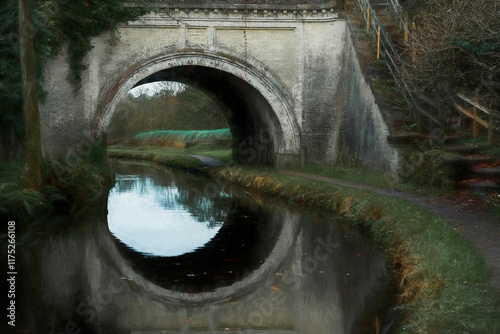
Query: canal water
[[173, 252]]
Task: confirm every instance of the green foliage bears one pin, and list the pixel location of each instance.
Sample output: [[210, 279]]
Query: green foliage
[[197, 111], [76, 22], [82, 177], [55, 22], [80, 180], [455, 48], [188, 109], [11, 123], [427, 169], [479, 48], [16, 202], [460, 308], [170, 156]]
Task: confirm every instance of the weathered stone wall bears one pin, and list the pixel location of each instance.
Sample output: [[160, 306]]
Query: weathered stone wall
[[323, 93], [258, 58], [64, 119], [364, 131], [288, 82]]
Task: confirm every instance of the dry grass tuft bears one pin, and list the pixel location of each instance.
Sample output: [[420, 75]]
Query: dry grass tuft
[[345, 205], [258, 182], [277, 188], [412, 282], [376, 213]]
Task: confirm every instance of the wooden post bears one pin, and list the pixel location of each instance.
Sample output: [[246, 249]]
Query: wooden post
[[406, 30], [475, 124], [413, 52], [378, 43], [368, 19], [490, 131]]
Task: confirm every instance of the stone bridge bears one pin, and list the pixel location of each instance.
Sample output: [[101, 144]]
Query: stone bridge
[[284, 73]]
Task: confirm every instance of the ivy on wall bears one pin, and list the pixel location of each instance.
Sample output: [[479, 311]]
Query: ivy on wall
[[55, 23]]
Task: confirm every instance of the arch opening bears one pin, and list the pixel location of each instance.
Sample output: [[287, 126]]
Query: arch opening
[[171, 114], [249, 116], [257, 106]]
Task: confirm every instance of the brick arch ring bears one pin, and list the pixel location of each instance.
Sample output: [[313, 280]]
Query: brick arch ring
[[283, 128]]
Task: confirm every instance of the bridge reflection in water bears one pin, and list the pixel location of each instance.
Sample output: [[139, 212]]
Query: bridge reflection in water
[[285, 273]]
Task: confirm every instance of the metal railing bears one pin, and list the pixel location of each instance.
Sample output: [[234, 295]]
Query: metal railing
[[387, 50]]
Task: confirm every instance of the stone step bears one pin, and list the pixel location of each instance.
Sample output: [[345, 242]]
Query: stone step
[[466, 160], [492, 172], [381, 9], [390, 27], [481, 186], [461, 149]]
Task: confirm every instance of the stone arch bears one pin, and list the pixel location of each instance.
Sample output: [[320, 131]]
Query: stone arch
[[260, 108]]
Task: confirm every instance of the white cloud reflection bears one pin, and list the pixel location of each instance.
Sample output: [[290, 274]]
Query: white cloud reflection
[[142, 223]]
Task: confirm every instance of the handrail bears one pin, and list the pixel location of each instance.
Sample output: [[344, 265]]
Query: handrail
[[398, 10], [491, 125], [405, 23], [475, 118], [478, 106], [390, 56]]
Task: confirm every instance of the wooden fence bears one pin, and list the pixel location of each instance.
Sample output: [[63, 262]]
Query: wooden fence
[[493, 117]]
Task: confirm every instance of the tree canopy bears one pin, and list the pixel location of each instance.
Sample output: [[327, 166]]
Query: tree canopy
[[185, 109], [454, 48]]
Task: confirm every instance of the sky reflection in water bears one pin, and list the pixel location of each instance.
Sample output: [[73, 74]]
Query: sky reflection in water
[[151, 219]]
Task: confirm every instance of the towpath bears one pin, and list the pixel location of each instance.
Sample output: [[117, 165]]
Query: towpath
[[209, 162]]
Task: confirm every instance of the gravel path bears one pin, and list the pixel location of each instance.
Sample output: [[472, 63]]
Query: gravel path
[[209, 162]]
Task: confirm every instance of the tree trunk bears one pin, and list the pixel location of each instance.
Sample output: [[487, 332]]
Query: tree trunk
[[32, 155]]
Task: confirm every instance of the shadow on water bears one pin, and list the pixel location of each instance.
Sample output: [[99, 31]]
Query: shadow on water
[[264, 270]]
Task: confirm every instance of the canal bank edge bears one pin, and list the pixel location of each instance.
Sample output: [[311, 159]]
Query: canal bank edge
[[439, 276]]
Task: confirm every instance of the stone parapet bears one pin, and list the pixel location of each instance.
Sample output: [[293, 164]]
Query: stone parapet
[[218, 13], [245, 5]]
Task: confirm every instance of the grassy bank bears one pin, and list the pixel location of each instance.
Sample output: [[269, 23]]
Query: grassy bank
[[70, 185], [170, 156], [440, 276]]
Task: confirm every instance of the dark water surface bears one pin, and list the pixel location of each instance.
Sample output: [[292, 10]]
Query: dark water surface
[[178, 253]]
